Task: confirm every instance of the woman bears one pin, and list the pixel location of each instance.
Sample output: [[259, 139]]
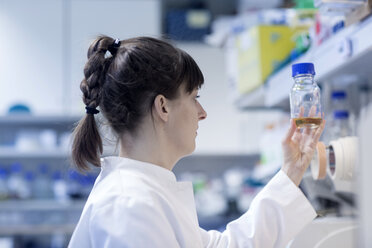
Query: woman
[[147, 90]]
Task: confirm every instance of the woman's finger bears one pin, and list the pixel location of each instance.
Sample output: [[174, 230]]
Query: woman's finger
[[318, 133], [321, 126], [297, 133], [302, 111], [290, 132], [312, 111]]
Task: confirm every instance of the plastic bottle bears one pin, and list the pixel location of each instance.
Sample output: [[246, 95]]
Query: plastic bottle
[[16, 182], [29, 182], [59, 187], [339, 100], [305, 98], [74, 189], [4, 192], [340, 124], [58, 240], [365, 93], [43, 187], [87, 183]]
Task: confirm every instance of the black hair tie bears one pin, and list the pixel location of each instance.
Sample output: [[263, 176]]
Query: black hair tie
[[91, 110], [113, 48]]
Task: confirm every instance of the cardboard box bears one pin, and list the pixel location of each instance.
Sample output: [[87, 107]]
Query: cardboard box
[[260, 50]]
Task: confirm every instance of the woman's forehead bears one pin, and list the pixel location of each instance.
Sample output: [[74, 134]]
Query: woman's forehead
[[183, 89]]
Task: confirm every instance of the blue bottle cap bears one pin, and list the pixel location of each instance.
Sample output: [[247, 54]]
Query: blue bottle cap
[[3, 173], [29, 176], [43, 169], [16, 167], [338, 94], [303, 68], [340, 114], [73, 175], [57, 175]]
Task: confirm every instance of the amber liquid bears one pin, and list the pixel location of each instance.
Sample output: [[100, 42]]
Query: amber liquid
[[310, 122]]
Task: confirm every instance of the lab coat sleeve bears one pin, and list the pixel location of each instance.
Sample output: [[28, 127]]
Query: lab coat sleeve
[[130, 223], [275, 216]]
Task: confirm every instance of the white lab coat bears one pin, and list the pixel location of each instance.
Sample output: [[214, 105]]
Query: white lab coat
[[135, 204]]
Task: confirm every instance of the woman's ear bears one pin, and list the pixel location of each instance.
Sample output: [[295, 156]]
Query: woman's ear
[[161, 105]]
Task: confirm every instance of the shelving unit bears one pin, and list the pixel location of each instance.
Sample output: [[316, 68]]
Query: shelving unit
[[11, 153], [341, 62], [40, 205], [347, 52], [36, 216], [61, 217], [255, 99], [214, 165], [47, 217], [31, 120], [12, 124], [37, 230]]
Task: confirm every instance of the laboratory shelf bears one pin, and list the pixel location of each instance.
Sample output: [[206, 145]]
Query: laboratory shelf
[[39, 217], [214, 165], [40, 205], [34, 120], [12, 125], [11, 153], [348, 52], [254, 100], [36, 229]]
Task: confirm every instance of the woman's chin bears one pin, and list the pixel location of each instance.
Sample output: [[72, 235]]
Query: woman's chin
[[190, 150]]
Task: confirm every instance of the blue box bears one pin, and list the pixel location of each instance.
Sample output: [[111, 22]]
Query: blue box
[[188, 25]]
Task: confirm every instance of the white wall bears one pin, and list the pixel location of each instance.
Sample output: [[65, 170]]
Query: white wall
[[31, 55], [43, 45], [226, 130], [118, 19]]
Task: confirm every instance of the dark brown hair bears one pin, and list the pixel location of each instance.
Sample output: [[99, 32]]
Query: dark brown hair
[[124, 86]]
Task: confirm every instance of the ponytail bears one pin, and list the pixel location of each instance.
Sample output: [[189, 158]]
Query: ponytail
[[87, 143]]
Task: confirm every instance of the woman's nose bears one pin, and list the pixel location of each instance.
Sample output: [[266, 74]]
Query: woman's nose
[[202, 113]]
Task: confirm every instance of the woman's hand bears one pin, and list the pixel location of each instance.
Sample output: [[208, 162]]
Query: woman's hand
[[298, 148]]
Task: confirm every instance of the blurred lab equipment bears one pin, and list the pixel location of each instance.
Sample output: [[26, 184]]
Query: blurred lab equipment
[[338, 159]]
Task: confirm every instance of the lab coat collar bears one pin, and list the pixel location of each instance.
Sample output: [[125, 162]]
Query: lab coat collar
[[148, 169]]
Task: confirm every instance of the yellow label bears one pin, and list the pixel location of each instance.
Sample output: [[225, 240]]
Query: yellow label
[[198, 18]]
